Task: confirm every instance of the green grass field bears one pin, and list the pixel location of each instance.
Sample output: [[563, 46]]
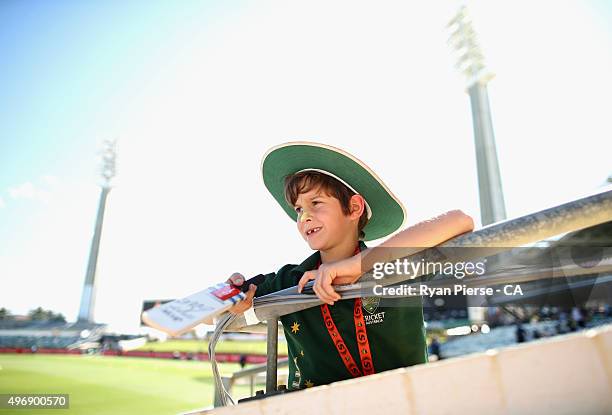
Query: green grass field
[[113, 385], [226, 346]]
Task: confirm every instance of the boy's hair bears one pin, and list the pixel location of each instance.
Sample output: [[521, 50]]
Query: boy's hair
[[302, 182]]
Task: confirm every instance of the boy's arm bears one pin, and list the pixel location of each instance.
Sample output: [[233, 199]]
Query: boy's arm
[[257, 286], [425, 234]]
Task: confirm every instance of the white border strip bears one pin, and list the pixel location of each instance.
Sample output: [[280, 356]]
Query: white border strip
[[250, 317]]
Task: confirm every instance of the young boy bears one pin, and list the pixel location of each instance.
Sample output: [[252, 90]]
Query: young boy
[[337, 200]]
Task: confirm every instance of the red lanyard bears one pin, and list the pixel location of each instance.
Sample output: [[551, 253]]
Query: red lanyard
[[362, 338]]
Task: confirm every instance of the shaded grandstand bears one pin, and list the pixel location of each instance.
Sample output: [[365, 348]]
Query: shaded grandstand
[[35, 335]]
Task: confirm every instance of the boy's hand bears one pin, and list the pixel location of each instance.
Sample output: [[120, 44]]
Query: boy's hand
[[239, 308], [346, 271]]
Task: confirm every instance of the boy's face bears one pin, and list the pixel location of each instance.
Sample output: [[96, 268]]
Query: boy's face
[[321, 221]]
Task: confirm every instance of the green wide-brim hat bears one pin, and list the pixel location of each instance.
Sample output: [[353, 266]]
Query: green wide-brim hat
[[386, 212]]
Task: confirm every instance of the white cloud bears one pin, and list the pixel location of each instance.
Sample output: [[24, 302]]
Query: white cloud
[[2, 203], [30, 191], [37, 192], [25, 190]]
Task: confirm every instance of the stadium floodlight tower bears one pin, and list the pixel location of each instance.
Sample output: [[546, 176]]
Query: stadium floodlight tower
[[470, 62], [89, 288]]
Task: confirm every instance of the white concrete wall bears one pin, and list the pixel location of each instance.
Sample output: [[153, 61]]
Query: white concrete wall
[[569, 374]]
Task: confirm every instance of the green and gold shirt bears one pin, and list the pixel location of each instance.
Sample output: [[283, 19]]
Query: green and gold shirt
[[395, 329]]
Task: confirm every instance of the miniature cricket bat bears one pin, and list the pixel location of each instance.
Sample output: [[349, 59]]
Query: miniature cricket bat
[[179, 316]]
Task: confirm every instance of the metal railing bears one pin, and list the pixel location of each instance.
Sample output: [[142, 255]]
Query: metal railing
[[578, 214], [251, 373]]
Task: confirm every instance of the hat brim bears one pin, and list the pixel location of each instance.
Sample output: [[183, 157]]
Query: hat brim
[[388, 213]]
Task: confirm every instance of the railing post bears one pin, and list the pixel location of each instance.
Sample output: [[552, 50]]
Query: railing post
[[272, 352]]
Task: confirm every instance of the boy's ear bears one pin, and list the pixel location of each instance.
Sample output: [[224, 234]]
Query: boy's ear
[[356, 206]]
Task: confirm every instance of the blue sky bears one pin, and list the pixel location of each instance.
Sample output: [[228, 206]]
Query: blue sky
[[70, 69], [196, 92]]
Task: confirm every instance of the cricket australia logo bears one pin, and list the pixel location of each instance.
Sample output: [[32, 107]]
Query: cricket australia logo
[[370, 304]]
